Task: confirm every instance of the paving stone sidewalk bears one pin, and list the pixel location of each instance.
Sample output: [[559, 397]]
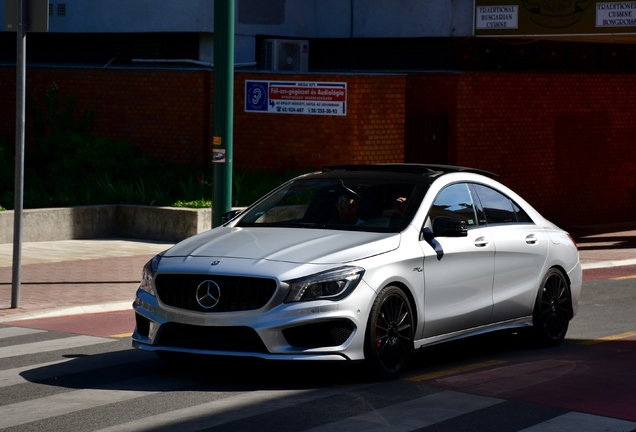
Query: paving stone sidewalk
[[74, 276]]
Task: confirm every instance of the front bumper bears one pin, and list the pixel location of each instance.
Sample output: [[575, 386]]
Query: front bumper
[[317, 330]]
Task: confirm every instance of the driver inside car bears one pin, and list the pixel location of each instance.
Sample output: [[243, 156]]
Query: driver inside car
[[348, 210]]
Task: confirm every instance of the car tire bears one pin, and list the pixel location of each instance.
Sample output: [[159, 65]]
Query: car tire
[[552, 309], [389, 334]]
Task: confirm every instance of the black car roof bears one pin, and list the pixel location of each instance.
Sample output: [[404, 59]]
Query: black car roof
[[430, 170]]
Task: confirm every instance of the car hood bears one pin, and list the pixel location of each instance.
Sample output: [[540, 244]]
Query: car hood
[[288, 245]]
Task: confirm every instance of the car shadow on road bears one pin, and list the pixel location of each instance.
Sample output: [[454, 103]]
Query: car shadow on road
[[521, 371], [129, 369]]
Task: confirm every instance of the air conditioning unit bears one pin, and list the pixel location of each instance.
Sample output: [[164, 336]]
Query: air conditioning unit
[[285, 55]]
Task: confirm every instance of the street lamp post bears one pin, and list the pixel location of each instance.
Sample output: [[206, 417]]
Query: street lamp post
[[21, 15], [19, 155]]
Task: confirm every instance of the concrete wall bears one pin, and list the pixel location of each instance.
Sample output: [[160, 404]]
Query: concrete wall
[[107, 221], [124, 16], [394, 18], [289, 18], [300, 19]]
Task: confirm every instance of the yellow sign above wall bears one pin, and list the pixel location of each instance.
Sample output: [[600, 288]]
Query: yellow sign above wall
[[553, 17]]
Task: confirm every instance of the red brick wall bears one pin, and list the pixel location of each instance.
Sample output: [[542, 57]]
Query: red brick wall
[[163, 112], [433, 95], [372, 131], [563, 141]]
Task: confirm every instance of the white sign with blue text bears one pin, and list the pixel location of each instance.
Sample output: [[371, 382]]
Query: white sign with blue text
[[296, 97]]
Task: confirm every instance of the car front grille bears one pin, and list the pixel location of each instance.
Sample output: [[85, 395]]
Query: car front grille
[[236, 293], [234, 338], [319, 335]]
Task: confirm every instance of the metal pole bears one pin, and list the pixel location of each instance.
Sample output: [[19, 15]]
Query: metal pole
[[223, 107], [19, 156]]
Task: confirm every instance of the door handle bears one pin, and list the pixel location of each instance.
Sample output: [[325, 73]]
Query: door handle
[[531, 239], [481, 242]]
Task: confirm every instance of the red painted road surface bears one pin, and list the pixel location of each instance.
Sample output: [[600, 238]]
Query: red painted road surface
[[597, 379], [99, 324], [609, 273]]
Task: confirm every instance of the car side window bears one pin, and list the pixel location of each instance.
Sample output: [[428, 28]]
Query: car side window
[[498, 208], [454, 201], [522, 216]]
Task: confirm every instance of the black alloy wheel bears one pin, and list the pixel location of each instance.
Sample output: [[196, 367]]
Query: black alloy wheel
[[390, 333], [552, 310]]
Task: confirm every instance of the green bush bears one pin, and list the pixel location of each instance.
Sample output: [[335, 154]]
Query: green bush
[[66, 166], [193, 204]]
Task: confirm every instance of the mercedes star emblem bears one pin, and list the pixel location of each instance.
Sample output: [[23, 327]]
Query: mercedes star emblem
[[208, 294]]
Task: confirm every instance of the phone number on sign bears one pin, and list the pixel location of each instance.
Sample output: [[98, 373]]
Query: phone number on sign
[[290, 110], [322, 110]]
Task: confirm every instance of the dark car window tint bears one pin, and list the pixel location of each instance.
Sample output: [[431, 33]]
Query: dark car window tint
[[522, 216], [454, 201], [361, 203], [497, 207]]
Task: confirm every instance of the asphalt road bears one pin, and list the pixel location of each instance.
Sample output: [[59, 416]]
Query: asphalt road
[[79, 374]]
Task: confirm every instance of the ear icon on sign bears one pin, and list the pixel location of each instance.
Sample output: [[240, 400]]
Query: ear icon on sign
[[257, 94]]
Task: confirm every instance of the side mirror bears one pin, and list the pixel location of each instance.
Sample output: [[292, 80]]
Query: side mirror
[[449, 227], [230, 215]]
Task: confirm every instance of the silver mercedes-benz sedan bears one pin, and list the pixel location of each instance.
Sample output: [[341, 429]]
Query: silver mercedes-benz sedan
[[362, 263]]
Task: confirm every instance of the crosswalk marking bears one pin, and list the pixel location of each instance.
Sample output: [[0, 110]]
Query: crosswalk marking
[[8, 332], [414, 414], [245, 406], [63, 403], [51, 345], [64, 367], [581, 422], [14, 376], [228, 409]]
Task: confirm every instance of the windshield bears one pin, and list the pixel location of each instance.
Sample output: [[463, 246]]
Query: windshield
[[358, 203]]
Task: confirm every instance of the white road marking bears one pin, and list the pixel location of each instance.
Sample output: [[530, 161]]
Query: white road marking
[[17, 331], [414, 414], [581, 422], [64, 403], [228, 409], [51, 345]]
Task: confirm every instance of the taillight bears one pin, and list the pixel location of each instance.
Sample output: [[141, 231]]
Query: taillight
[[574, 242]]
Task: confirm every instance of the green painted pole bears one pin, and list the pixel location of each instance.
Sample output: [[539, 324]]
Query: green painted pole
[[222, 145]]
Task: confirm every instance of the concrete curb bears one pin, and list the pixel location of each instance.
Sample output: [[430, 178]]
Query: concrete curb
[[69, 311], [606, 264]]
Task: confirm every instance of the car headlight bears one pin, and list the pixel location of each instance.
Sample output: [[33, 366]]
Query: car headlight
[[330, 285], [148, 275]]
